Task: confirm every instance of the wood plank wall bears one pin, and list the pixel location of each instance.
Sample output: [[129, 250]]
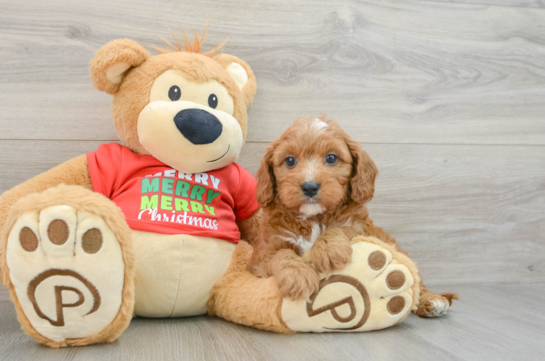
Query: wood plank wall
[[449, 100]]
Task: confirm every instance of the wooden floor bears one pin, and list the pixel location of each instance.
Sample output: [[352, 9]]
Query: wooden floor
[[491, 322], [447, 96]]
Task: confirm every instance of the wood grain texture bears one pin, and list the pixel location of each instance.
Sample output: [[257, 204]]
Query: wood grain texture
[[466, 214], [509, 3], [390, 71], [491, 322]]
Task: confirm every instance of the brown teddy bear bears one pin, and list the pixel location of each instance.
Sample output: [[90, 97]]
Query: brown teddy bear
[[152, 227]]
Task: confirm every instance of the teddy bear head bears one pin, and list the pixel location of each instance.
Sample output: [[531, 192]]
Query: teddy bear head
[[185, 108]]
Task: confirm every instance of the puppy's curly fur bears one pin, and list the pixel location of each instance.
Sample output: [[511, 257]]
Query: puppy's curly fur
[[313, 184]]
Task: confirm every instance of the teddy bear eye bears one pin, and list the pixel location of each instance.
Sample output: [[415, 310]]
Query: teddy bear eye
[[174, 93], [213, 101]]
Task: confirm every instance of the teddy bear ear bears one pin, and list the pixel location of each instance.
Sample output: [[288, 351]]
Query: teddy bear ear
[[112, 62], [242, 74]]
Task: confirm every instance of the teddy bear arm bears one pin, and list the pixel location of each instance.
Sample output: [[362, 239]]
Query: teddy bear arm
[[249, 228], [72, 172]]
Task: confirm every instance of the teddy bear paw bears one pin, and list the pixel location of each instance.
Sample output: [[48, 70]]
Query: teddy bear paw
[[66, 274], [376, 290]]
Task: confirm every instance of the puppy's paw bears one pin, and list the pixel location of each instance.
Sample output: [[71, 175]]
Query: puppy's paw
[[327, 256], [435, 305], [298, 282]]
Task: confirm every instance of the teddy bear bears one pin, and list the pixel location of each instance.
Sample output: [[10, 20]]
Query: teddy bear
[[153, 226]]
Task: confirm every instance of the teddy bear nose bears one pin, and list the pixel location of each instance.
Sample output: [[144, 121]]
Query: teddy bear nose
[[198, 126]]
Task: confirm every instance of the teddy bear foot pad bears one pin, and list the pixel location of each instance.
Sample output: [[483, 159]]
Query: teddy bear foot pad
[[67, 276], [376, 290]]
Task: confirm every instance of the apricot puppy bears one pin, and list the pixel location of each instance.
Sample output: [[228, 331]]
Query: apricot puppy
[[313, 184]]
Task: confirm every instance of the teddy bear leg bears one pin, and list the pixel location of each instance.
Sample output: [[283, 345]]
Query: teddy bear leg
[[67, 259], [243, 298], [376, 290]]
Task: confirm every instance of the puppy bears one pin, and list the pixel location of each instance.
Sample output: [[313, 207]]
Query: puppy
[[313, 184]]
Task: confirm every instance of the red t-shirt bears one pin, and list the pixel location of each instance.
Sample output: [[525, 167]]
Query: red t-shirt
[[156, 198]]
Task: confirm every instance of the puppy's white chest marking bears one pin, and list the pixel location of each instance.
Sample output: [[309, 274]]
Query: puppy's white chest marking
[[305, 243]]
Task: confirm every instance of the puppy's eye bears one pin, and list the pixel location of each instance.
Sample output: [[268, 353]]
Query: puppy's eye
[[331, 159], [213, 101], [290, 162], [174, 93]]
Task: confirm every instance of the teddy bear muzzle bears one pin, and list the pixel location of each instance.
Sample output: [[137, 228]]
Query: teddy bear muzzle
[[188, 136]]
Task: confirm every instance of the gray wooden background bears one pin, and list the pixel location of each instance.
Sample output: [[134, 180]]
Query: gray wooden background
[[448, 98]]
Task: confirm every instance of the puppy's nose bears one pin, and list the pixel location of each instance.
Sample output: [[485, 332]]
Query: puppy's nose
[[198, 126], [310, 188]]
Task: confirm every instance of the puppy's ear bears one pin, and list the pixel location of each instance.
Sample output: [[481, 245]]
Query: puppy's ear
[[364, 173], [242, 74], [266, 183], [112, 62]]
